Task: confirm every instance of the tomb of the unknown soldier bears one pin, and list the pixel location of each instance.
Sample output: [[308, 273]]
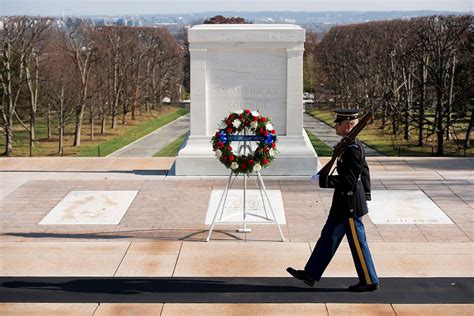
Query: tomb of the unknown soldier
[[257, 67]]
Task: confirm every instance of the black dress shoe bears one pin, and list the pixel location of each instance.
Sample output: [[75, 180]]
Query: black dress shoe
[[301, 275], [361, 287]]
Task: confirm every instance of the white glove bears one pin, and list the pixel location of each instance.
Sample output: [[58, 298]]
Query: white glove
[[315, 179]]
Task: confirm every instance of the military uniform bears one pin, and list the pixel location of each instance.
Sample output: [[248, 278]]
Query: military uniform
[[351, 191]]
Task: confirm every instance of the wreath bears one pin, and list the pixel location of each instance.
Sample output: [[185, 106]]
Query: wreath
[[231, 128]]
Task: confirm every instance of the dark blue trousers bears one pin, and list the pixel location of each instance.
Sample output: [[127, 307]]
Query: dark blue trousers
[[331, 236]]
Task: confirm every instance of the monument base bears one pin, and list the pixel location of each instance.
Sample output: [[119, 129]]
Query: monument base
[[296, 157]]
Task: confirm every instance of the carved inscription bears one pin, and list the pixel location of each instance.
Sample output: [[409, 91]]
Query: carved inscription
[[238, 79]]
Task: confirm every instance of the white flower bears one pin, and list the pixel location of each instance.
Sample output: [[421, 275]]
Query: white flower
[[255, 113], [236, 123], [218, 153], [234, 165], [272, 152], [222, 125], [257, 167], [269, 126], [253, 124], [240, 111]]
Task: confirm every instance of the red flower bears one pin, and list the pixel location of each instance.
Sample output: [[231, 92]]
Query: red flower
[[263, 119], [274, 132], [255, 118], [217, 134], [265, 133], [231, 157], [228, 122], [265, 149], [220, 144], [247, 111], [229, 148], [243, 165], [265, 161], [229, 130], [250, 162], [241, 117], [274, 145], [231, 116]]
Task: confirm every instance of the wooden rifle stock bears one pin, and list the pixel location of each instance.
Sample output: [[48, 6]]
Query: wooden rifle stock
[[344, 143], [348, 139]]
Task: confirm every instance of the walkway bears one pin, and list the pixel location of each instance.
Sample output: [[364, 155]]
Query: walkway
[[152, 143], [327, 134], [155, 260]]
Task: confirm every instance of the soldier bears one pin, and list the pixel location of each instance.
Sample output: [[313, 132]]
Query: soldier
[[352, 190]]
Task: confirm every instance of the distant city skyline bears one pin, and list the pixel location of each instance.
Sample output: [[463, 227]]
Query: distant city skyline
[[142, 7]]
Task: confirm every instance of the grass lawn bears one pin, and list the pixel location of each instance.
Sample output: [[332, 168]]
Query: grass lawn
[[111, 140], [391, 145], [171, 150], [321, 148]]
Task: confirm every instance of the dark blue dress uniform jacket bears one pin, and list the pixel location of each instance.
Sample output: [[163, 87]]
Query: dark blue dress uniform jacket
[[351, 184]]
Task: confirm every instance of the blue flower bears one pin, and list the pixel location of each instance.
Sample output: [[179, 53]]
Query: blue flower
[[223, 136], [269, 139]]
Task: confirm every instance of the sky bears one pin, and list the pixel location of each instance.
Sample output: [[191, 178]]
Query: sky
[[130, 7]]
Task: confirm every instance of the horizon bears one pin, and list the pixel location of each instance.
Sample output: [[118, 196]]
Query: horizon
[[162, 7]]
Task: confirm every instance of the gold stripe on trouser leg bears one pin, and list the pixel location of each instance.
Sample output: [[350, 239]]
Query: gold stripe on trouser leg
[[359, 251]]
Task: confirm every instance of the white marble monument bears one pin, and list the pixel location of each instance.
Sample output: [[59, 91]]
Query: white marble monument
[[247, 66]]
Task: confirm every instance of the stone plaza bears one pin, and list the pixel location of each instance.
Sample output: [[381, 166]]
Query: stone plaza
[[161, 237]]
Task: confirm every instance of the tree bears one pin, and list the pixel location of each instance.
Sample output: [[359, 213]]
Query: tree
[[31, 66], [443, 38], [219, 19], [360, 63], [79, 42], [18, 38], [60, 92]]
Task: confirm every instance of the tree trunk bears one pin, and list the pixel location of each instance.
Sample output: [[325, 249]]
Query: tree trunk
[[32, 84], [61, 123], [439, 125], [77, 131], [135, 101], [450, 99], [91, 121], [102, 122], [114, 120], [421, 110], [32, 128], [11, 96], [394, 125], [32, 131], [467, 140], [406, 114], [7, 86], [48, 120], [84, 68], [124, 114], [9, 137]]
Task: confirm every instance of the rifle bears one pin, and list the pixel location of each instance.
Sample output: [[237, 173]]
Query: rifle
[[349, 138]]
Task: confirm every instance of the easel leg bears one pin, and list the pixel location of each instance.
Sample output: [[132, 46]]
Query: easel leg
[[221, 202], [245, 229], [263, 199], [270, 204]]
